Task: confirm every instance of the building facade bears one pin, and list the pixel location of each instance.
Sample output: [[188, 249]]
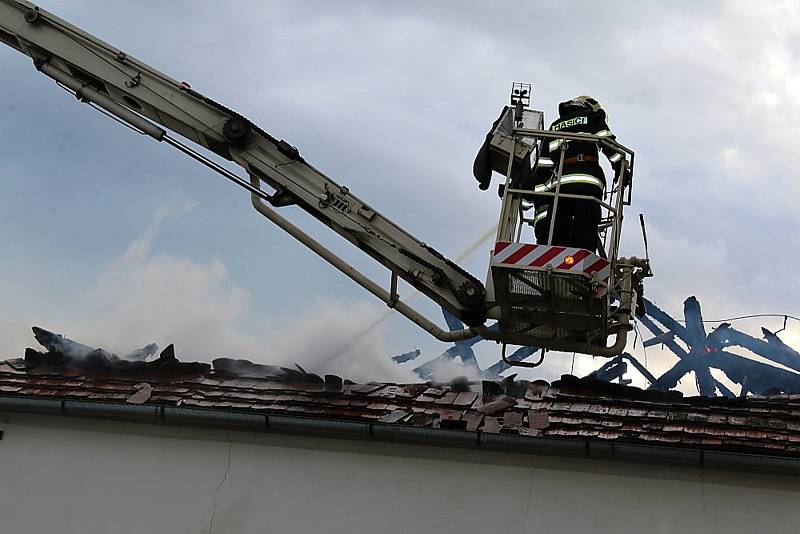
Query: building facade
[[167, 447]]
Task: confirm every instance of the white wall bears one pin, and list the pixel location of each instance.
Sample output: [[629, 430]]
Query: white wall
[[69, 475]]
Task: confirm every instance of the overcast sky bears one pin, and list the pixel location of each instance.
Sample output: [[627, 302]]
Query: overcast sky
[[118, 241]]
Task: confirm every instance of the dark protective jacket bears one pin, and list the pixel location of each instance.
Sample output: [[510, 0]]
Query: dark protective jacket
[[587, 171], [576, 221]]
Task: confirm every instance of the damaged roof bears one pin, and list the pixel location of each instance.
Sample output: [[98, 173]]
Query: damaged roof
[[570, 409]]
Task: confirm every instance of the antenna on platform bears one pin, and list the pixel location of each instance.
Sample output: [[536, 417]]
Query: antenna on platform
[[644, 236], [520, 99]]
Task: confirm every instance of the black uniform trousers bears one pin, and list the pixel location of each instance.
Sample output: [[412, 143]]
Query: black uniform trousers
[[576, 219]]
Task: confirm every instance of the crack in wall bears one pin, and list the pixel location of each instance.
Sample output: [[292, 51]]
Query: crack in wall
[[526, 514], [219, 486], [704, 504], [530, 498], [702, 489]]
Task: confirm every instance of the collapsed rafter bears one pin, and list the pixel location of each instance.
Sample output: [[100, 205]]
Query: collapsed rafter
[[698, 352]]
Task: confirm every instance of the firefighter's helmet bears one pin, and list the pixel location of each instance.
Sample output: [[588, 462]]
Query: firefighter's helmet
[[583, 102]]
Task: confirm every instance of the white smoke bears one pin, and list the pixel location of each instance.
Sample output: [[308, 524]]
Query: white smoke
[[330, 338], [446, 369], [145, 296]]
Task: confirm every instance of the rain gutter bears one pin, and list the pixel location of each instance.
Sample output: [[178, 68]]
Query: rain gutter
[[389, 433]]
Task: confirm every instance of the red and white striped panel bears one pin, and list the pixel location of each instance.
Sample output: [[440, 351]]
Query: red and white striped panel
[[527, 255]]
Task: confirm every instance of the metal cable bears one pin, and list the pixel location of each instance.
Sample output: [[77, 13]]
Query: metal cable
[[745, 317], [380, 320]]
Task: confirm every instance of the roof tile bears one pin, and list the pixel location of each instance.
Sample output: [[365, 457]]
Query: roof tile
[[571, 409], [580, 407], [394, 417], [447, 398], [491, 425], [474, 420], [512, 419], [538, 419], [498, 404], [465, 398]]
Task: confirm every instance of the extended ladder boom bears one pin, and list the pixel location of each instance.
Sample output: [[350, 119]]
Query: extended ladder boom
[[99, 74]]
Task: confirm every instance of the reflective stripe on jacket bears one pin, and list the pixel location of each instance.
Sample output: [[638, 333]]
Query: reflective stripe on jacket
[[580, 121], [568, 179]]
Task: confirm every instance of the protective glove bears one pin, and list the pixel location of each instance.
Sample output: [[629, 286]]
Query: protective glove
[[483, 185]]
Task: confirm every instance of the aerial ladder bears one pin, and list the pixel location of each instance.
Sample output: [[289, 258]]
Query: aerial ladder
[[552, 306]]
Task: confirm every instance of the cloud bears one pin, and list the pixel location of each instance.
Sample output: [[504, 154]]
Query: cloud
[[393, 102], [145, 295], [15, 334]]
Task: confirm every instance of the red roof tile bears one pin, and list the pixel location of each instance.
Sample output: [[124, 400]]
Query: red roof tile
[[570, 408]]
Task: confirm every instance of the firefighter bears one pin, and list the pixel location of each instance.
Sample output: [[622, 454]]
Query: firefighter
[[576, 220]]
